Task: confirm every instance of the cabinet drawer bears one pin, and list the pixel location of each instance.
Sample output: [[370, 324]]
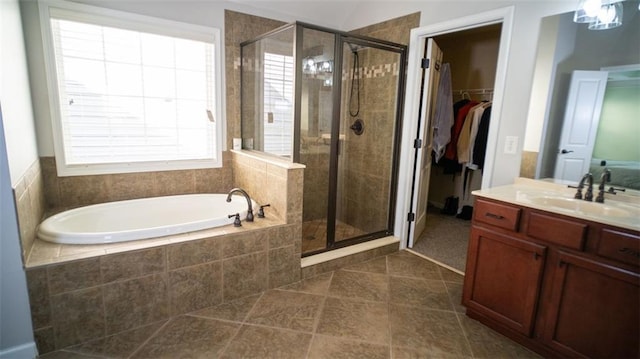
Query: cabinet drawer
[[620, 246], [498, 215], [557, 231]]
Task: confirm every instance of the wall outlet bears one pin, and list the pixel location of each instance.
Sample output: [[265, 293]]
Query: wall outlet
[[511, 145]]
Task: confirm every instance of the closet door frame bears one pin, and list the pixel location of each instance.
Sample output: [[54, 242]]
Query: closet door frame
[[504, 16]]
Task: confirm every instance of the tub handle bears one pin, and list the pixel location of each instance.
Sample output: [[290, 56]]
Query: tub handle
[[236, 222], [261, 210]]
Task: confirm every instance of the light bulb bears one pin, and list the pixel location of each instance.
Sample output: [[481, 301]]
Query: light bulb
[[592, 7], [606, 14]]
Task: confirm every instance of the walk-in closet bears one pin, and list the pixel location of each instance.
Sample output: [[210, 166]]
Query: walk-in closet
[[457, 168]]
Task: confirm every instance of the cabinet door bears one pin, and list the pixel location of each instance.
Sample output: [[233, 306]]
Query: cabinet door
[[593, 310], [502, 279]]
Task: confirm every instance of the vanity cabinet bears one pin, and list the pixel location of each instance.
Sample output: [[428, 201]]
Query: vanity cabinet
[[505, 280], [593, 309], [560, 285]]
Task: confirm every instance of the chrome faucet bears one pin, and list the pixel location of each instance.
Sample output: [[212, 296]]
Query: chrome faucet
[[604, 178], [588, 196], [246, 196]]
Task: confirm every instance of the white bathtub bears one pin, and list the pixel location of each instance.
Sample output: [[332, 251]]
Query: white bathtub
[[141, 218]]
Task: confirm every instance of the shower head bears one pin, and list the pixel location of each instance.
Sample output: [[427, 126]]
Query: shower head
[[354, 48]]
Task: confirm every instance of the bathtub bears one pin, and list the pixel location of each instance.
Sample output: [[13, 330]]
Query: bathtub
[[141, 218]]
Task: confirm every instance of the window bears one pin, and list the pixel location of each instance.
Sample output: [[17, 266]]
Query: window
[[278, 104], [132, 93]]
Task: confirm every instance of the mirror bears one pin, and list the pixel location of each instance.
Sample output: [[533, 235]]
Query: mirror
[[564, 47]]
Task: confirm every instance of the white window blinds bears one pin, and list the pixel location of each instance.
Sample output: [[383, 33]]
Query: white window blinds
[[278, 104], [130, 97]]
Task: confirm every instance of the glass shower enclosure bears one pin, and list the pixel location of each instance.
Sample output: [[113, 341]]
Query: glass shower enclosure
[[331, 101]]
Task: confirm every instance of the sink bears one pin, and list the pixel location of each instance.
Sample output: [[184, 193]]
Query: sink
[[589, 208]]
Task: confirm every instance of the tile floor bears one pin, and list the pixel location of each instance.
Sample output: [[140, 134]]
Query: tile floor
[[314, 234], [397, 306]]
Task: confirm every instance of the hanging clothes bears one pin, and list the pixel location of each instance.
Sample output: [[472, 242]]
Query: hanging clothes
[[474, 139], [451, 152], [480, 145], [468, 134], [443, 115]]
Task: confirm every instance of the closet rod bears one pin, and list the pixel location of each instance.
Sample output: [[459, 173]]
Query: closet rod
[[474, 91]]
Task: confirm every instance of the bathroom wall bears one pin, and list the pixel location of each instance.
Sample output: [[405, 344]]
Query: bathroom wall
[[18, 152], [619, 129], [73, 191]]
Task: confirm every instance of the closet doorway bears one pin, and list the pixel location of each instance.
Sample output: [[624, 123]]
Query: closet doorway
[[473, 55]]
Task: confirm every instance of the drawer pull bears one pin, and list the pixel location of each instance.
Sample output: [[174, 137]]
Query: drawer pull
[[629, 251], [494, 216]]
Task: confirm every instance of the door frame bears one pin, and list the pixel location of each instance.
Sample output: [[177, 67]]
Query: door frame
[[412, 103]]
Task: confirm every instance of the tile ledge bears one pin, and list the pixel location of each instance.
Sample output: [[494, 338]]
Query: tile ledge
[[269, 159], [347, 251]]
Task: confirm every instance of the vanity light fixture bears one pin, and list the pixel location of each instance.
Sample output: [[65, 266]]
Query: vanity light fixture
[[587, 11], [309, 65], [608, 17], [599, 14]]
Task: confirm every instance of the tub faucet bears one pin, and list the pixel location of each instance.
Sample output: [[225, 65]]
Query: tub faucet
[[604, 178], [588, 196], [246, 196]]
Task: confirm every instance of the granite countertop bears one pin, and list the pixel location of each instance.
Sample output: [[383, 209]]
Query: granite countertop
[[620, 210]]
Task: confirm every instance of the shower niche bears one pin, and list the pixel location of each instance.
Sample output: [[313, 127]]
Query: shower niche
[[331, 101]]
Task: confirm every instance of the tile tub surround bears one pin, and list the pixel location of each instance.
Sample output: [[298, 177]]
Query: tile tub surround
[[403, 307], [29, 196], [271, 180], [74, 191], [93, 298]]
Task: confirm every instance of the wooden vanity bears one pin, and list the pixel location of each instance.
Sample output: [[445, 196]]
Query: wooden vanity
[[560, 285]]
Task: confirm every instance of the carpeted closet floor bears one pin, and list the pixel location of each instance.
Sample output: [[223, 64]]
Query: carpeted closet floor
[[444, 239]]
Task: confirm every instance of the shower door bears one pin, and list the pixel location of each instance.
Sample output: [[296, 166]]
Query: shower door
[[367, 126], [349, 106]]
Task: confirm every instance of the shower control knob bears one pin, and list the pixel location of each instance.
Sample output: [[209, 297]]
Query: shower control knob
[[357, 127]]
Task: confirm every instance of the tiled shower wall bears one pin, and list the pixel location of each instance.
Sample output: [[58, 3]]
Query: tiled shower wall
[[367, 158], [239, 27]]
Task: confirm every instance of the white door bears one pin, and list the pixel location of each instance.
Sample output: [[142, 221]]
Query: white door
[[581, 119], [420, 195]]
